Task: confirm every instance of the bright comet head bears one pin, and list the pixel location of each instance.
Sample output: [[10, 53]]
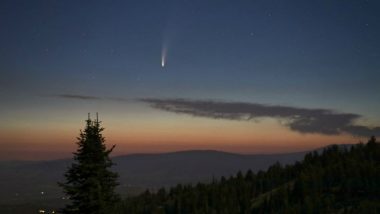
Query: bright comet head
[[163, 56], [162, 63]]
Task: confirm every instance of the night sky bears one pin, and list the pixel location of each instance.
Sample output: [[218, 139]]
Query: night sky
[[243, 76]]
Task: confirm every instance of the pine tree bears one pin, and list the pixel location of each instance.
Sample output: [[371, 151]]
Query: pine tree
[[89, 182]]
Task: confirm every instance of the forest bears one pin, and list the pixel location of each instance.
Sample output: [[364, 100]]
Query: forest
[[338, 179]]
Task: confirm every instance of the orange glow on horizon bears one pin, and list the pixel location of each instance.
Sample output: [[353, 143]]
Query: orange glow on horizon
[[156, 136]]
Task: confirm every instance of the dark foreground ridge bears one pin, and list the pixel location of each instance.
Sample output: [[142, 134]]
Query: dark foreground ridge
[[24, 181], [337, 180]]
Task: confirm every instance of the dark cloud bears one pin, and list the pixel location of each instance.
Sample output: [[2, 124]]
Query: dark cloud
[[362, 130], [85, 97], [76, 96], [303, 120]]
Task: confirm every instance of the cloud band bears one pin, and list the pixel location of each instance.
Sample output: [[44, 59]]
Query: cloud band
[[302, 120]]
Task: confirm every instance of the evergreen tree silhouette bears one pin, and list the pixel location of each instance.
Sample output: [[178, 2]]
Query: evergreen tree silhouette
[[89, 182]]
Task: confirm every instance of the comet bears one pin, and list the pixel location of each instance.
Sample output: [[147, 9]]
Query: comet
[[163, 62], [163, 56]]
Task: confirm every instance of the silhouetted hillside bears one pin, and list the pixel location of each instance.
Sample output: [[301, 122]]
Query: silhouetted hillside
[[335, 180], [35, 182]]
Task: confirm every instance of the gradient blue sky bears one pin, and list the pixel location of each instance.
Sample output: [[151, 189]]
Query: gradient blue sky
[[304, 54]]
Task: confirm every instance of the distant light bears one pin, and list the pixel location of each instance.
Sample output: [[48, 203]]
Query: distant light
[[42, 193], [41, 211]]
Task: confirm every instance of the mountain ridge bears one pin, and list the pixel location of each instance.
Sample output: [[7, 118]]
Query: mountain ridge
[[22, 181]]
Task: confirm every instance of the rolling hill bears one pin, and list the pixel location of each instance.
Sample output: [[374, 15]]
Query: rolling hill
[[334, 180], [36, 181]]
